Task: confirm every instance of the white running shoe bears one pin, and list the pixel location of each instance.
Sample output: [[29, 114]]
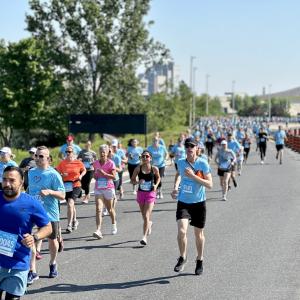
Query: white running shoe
[[262, 162], [98, 235], [114, 229], [105, 212]]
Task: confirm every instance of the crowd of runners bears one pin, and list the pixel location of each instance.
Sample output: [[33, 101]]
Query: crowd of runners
[[31, 193]]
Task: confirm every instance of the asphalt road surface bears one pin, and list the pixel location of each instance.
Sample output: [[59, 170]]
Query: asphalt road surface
[[251, 251]]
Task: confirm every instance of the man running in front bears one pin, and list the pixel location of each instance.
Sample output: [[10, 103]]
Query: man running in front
[[193, 176]]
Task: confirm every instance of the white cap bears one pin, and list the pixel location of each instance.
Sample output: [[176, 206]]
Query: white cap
[[6, 150], [33, 150], [114, 142], [223, 142]]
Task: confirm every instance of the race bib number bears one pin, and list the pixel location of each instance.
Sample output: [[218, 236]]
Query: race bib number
[[263, 140], [187, 189], [68, 186], [8, 243], [102, 183], [146, 186], [87, 164]]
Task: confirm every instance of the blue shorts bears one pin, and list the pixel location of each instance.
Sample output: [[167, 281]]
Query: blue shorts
[[13, 281]]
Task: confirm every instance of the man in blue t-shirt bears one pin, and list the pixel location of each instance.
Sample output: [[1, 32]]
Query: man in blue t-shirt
[[280, 138], [46, 184], [19, 212], [193, 176], [69, 142]]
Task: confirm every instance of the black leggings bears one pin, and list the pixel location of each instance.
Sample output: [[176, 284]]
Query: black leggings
[[161, 174], [246, 152], [209, 147], [262, 149], [86, 180]]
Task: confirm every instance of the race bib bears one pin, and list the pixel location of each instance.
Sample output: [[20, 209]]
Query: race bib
[[68, 186], [146, 186], [102, 183], [263, 140], [8, 243], [87, 164], [224, 165], [187, 188]]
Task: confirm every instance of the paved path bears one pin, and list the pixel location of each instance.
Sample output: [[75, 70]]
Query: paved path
[[252, 245]]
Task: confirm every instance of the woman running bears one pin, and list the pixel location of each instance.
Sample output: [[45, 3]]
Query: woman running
[[148, 181]]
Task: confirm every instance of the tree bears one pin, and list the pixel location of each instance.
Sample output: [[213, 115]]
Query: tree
[[28, 90], [97, 47]]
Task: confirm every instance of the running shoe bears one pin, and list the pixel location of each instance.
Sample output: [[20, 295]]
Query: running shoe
[[32, 277], [224, 198], [143, 242], [98, 235], [180, 264], [234, 182], [38, 255], [105, 212], [114, 229], [199, 267], [69, 229], [85, 201], [75, 224], [262, 162], [53, 271], [161, 195], [134, 192]]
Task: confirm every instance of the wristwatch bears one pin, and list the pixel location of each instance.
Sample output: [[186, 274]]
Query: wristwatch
[[35, 237]]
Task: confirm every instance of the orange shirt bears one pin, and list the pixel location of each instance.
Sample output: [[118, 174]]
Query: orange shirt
[[71, 170]]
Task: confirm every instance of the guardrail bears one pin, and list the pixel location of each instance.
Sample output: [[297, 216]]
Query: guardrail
[[293, 141]]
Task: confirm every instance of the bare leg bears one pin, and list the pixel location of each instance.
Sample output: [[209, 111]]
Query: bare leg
[[182, 226]]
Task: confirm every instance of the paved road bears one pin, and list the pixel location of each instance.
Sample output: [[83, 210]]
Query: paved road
[[252, 245]]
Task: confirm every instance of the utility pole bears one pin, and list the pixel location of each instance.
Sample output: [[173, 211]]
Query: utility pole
[[269, 100], [207, 97], [194, 95], [233, 96]]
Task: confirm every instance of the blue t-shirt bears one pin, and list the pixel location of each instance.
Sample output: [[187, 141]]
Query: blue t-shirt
[[179, 152], [17, 218], [117, 160], [39, 179], [75, 147], [134, 154], [158, 155], [234, 146], [3, 165], [279, 137], [191, 191]]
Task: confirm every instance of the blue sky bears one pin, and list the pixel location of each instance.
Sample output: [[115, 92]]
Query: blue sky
[[252, 42]]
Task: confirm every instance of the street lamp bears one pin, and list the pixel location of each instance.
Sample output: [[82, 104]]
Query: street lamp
[[269, 100], [191, 87], [233, 98], [194, 92], [206, 104]]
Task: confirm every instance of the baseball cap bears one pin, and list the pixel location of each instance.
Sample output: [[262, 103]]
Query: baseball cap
[[32, 150], [114, 142], [223, 142], [190, 141], [6, 150], [70, 138]]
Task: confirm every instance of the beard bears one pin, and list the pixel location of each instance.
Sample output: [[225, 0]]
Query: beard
[[10, 193]]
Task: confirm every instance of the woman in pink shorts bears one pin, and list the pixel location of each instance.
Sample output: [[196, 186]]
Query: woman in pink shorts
[[148, 181]]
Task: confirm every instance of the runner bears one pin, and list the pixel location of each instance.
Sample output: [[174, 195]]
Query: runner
[[148, 181], [87, 156], [5, 161], [247, 145], [19, 212], [191, 202], [69, 142], [27, 164], [105, 173], [159, 155], [47, 186], [178, 151], [280, 138], [72, 170], [133, 153], [209, 143], [262, 144], [236, 148], [225, 159]]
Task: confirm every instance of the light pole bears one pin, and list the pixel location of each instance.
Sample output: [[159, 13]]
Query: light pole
[[269, 100], [191, 87], [194, 92], [206, 103], [232, 91]]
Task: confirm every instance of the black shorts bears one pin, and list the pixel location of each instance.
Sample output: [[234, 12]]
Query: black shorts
[[279, 147], [55, 231], [73, 194], [162, 171], [195, 212], [131, 169], [221, 172]]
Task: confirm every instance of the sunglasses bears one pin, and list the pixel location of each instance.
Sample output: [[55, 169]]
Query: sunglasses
[[68, 151], [39, 156], [190, 146], [145, 156]]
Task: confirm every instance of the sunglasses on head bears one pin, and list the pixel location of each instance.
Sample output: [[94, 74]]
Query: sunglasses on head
[[39, 156], [69, 151], [189, 146]]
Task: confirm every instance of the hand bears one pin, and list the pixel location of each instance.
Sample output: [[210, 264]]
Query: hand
[[174, 194], [45, 193], [189, 172], [28, 240]]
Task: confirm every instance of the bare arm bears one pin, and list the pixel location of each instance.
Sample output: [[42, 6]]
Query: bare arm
[[156, 174], [42, 233], [134, 175]]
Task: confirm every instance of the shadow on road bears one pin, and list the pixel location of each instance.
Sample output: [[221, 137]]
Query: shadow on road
[[73, 288]]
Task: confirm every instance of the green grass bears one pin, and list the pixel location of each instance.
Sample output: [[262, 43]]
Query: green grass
[[166, 135]]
